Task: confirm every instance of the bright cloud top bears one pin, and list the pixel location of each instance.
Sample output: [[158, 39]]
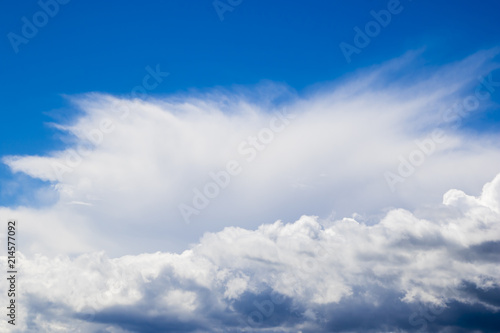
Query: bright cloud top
[[281, 277]]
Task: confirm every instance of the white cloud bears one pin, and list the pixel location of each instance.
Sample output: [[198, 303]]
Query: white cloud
[[308, 265], [132, 163], [113, 253]]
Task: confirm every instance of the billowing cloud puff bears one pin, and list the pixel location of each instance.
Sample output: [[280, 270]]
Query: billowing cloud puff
[[155, 175], [407, 272]]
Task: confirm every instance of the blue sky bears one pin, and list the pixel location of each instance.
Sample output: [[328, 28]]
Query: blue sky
[[105, 46], [96, 46], [265, 180]]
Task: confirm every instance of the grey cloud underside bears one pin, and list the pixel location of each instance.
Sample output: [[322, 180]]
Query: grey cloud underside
[[350, 315]]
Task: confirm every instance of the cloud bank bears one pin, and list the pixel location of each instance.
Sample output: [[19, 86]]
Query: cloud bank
[[404, 273], [152, 175], [267, 210]]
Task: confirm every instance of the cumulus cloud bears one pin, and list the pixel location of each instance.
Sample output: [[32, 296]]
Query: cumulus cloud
[[135, 171], [404, 273]]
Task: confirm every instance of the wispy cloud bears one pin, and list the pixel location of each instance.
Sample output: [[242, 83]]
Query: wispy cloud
[[153, 154]]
